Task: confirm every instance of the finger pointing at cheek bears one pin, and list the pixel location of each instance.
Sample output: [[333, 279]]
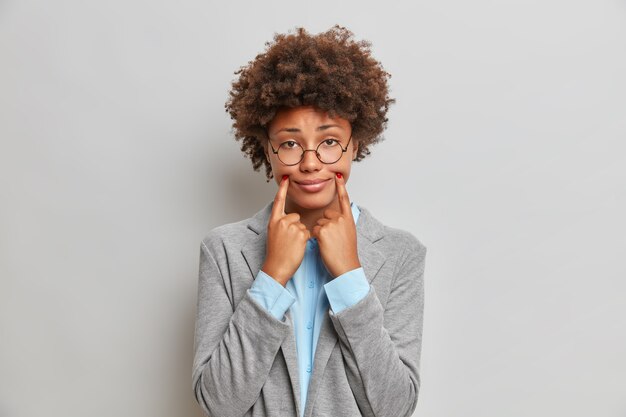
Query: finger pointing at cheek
[[336, 234], [344, 199]]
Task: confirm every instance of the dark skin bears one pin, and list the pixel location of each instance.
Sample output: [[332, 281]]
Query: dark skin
[[299, 214]]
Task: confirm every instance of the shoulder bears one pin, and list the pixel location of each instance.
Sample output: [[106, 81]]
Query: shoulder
[[402, 237], [403, 241], [235, 233], [227, 240], [393, 240]]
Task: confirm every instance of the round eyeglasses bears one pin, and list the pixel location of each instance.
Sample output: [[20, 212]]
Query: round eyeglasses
[[328, 151]]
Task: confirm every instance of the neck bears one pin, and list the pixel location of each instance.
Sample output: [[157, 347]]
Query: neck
[[310, 216]]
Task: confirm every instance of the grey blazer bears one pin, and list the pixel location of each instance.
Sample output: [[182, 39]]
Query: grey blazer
[[367, 360]]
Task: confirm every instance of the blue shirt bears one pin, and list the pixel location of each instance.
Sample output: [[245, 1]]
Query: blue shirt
[[308, 295]]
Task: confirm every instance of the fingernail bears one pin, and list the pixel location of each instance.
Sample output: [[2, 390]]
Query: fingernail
[[285, 177], [339, 175]]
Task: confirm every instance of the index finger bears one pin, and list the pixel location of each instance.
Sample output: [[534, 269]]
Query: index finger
[[278, 209], [342, 193]]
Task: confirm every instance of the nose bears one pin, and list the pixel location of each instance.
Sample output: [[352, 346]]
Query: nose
[[310, 162]]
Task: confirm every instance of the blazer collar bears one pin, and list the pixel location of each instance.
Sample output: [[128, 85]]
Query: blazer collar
[[369, 230]]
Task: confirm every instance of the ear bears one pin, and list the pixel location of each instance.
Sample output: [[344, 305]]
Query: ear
[[355, 147]]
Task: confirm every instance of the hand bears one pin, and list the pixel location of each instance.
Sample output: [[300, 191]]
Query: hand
[[286, 239], [336, 235]]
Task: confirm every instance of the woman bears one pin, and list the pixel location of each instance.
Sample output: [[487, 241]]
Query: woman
[[312, 307]]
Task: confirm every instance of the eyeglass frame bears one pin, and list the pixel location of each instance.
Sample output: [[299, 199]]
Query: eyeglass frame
[[316, 152]]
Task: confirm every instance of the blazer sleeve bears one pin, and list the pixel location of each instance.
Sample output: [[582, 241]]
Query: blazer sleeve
[[382, 346], [234, 348]]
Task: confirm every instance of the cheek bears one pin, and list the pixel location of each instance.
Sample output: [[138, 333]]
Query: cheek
[[279, 171], [345, 168]]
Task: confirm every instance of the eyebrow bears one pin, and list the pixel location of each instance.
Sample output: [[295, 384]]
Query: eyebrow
[[295, 129]]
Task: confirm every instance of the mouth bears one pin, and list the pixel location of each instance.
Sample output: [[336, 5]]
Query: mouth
[[312, 186], [310, 182]]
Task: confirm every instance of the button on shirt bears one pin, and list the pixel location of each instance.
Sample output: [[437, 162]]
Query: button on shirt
[[308, 295]]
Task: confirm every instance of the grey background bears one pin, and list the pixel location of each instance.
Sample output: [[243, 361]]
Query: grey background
[[504, 155]]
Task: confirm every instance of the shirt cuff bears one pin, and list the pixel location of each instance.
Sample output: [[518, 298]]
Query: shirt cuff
[[347, 289], [270, 294]]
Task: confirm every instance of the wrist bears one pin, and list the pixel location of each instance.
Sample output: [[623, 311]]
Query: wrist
[[276, 274], [347, 268]]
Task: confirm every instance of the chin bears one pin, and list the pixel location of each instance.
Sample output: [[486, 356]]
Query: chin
[[312, 201]]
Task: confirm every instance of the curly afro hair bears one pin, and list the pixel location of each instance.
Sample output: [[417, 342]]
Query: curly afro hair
[[330, 71]]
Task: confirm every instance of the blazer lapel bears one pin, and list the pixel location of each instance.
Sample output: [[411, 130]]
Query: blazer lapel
[[254, 253], [254, 249], [369, 230]]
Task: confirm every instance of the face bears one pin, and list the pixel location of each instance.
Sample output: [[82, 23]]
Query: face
[[309, 126]]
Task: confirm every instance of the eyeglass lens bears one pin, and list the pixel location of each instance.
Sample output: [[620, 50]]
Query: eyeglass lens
[[328, 151]]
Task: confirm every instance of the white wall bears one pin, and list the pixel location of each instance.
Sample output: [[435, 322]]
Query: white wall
[[504, 155]]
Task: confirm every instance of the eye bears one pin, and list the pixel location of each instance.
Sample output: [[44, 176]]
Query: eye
[[330, 142], [290, 144]]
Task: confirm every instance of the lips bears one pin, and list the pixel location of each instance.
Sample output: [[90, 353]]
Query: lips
[[312, 186], [310, 182]]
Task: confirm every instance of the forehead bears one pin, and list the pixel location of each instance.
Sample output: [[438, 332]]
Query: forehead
[[304, 118]]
